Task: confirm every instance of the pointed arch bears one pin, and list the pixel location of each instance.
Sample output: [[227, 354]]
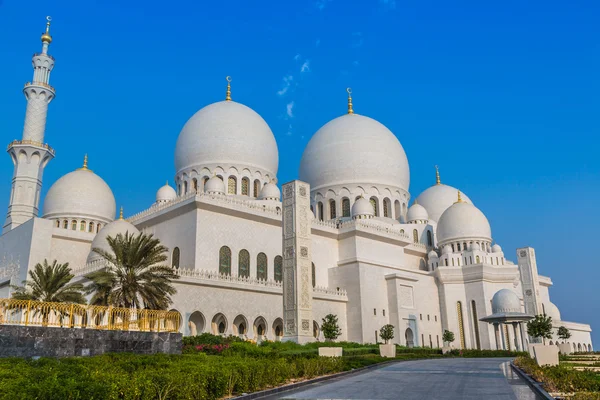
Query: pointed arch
[[430, 239], [245, 187], [278, 269], [244, 263], [225, 261], [374, 203], [261, 266], [415, 236], [232, 185], [332, 210], [387, 209], [175, 258], [345, 207]]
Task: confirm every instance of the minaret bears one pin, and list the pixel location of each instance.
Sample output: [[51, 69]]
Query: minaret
[[30, 155]]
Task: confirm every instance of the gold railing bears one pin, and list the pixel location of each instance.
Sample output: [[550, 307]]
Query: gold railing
[[69, 315], [32, 142]]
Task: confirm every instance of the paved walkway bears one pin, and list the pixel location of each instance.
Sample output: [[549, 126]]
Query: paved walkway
[[453, 378]]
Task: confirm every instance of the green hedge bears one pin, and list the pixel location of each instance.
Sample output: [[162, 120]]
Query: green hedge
[[562, 378]]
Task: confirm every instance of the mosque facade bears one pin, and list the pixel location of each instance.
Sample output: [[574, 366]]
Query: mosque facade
[[374, 258]]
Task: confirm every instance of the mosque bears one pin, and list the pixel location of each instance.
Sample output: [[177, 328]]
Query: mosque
[[374, 258]]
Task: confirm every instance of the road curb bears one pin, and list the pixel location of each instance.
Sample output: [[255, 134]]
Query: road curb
[[535, 386], [292, 386]]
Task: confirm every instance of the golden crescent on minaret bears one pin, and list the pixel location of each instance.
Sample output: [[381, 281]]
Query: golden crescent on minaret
[[228, 93], [46, 38], [350, 109], [437, 176]]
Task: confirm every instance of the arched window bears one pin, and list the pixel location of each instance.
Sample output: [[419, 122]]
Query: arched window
[[195, 185], [477, 259], [461, 328], [65, 224], [58, 223], [175, 258], [91, 227], [386, 208], [232, 185], [278, 269], [458, 246], [204, 180], [98, 227], [332, 211], [430, 239], [475, 324], [375, 206], [397, 210], [245, 186], [415, 236], [261, 266], [74, 225], [185, 187], [452, 247], [345, 207], [225, 261], [320, 211], [244, 263], [314, 275], [256, 188], [82, 226]]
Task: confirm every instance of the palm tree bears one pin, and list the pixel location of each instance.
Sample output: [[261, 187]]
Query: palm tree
[[134, 276], [50, 283]]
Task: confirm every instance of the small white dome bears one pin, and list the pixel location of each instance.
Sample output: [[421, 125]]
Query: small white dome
[[270, 192], [438, 198], [214, 185], [505, 301], [228, 133], [446, 249], [354, 149], [475, 247], [463, 221], [417, 212], [165, 194], [552, 311], [112, 229], [80, 194], [362, 206], [432, 254], [496, 248]]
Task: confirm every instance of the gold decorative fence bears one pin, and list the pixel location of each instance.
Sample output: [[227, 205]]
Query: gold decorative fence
[[69, 315]]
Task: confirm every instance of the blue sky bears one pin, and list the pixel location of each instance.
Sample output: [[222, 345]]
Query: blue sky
[[503, 96]]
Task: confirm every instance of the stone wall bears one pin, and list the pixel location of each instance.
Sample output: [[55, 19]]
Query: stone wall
[[37, 341]]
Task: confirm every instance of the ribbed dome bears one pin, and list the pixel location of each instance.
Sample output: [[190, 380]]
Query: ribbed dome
[[80, 194], [230, 134], [417, 212], [165, 194], [214, 186], [270, 192], [505, 301], [362, 206], [354, 149], [496, 248], [113, 229], [438, 198], [463, 221]]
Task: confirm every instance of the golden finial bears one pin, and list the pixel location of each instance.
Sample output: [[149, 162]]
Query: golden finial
[[228, 94], [85, 166], [350, 110], [415, 202], [121, 213], [46, 38], [460, 200], [167, 184], [437, 176]]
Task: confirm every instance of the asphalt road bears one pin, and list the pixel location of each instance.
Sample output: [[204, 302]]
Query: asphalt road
[[451, 378]]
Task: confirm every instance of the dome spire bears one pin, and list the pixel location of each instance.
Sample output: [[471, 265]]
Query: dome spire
[[85, 166], [121, 213], [228, 93], [350, 110], [46, 38], [437, 176], [460, 200]]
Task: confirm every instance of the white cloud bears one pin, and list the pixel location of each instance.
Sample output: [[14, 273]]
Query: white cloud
[[290, 110], [287, 83], [289, 132], [390, 4], [297, 57], [305, 67]]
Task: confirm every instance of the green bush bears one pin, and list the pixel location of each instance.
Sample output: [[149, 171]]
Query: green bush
[[486, 353], [561, 378]]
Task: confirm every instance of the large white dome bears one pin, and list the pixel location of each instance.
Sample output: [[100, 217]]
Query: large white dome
[[354, 149], [463, 221], [80, 194], [438, 198], [552, 311], [113, 229], [228, 134]]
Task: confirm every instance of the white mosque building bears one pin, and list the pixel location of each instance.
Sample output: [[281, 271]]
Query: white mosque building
[[423, 268]]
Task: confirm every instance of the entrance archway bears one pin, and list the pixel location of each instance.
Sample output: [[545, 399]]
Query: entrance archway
[[260, 329], [196, 323], [240, 326], [409, 337], [278, 329], [219, 324]]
